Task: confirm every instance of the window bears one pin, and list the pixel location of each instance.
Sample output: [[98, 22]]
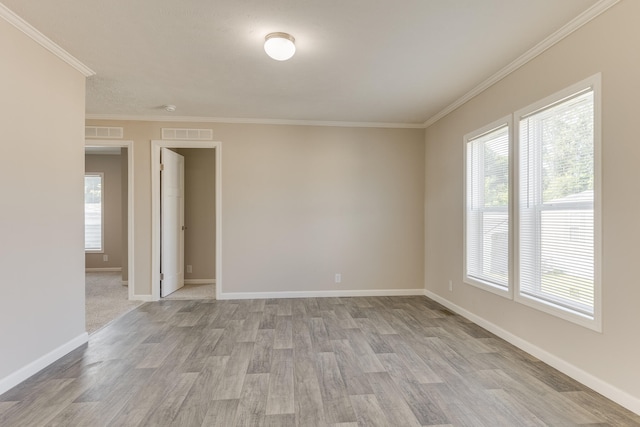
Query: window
[[487, 208], [557, 233], [548, 256], [93, 212]]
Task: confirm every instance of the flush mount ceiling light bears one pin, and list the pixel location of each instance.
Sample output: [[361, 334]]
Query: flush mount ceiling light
[[279, 46], [170, 108]]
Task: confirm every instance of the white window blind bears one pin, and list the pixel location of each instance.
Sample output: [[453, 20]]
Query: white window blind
[[93, 209], [487, 209], [556, 204]]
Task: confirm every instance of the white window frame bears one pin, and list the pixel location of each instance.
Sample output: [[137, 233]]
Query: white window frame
[[595, 322], [101, 250], [473, 281]]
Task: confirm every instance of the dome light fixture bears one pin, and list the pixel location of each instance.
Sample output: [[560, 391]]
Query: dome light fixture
[[169, 108], [279, 46]]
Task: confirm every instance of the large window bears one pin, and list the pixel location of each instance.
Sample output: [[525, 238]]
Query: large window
[[548, 257], [487, 208], [557, 158], [93, 212]]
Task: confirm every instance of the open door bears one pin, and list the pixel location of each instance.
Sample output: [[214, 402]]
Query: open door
[[171, 222]]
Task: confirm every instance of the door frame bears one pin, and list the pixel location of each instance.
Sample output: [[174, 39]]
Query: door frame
[[130, 208], [156, 145]]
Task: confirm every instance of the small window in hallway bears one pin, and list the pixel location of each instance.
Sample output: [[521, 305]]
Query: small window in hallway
[[93, 212]]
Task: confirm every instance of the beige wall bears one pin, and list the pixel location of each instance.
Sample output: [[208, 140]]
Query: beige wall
[[110, 166], [41, 208], [609, 44], [199, 213], [301, 203]]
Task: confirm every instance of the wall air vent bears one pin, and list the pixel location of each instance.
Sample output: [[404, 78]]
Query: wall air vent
[[187, 134], [103, 132]]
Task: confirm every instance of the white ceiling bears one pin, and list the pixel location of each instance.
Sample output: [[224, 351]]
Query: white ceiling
[[376, 61]]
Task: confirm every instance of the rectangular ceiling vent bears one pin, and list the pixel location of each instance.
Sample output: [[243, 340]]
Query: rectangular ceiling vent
[[103, 132], [187, 134]]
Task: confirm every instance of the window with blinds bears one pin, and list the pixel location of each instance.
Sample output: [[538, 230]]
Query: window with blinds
[[487, 209], [93, 212], [556, 191], [550, 252]]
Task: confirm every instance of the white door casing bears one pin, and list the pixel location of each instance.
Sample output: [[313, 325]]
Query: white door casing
[[156, 146], [128, 144]]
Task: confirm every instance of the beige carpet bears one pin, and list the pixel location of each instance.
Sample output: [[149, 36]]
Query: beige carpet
[[194, 292], [106, 299]]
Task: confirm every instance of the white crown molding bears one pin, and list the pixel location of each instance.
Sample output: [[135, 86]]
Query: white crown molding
[[232, 120], [43, 40], [580, 20], [608, 390]]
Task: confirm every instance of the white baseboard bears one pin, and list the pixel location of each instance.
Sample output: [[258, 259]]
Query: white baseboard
[[145, 298], [315, 294], [102, 269], [37, 365], [125, 283], [199, 281], [621, 397]]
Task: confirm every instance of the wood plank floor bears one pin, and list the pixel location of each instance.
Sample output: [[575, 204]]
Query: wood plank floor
[[379, 361]]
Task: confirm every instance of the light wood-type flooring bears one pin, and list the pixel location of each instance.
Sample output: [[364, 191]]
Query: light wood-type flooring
[[376, 361]]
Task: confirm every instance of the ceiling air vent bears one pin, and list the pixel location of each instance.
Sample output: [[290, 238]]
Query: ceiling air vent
[[187, 134], [104, 132]]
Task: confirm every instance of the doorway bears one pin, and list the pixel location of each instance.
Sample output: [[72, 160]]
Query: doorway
[[109, 278], [209, 224]]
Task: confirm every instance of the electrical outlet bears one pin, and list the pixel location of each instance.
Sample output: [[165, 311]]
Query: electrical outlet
[[450, 286], [105, 257], [189, 269], [338, 278]]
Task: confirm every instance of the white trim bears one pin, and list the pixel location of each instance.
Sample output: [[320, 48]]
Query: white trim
[[580, 20], [235, 120], [595, 83], [102, 269], [320, 294], [125, 283], [145, 298], [39, 364], [156, 145], [43, 40], [199, 281], [621, 397], [496, 289], [130, 199]]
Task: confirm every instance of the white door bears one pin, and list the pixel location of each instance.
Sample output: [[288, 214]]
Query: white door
[[171, 222]]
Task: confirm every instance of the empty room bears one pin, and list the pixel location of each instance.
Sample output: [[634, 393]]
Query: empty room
[[338, 213]]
